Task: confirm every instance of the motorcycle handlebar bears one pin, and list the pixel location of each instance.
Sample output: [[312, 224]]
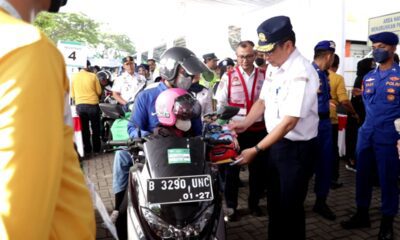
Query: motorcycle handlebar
[[129, 142]]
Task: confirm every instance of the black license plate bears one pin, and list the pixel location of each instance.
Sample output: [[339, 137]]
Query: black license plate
[[180, 189]]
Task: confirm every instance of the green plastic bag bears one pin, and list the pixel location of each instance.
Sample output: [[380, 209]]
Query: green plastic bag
[[119, 129]]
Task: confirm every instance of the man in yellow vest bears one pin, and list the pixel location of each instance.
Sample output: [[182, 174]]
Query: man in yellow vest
[[211, 62], [42, 190], [241, 87]]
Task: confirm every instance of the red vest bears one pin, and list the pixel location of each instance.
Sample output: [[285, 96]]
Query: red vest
[[238, 94]]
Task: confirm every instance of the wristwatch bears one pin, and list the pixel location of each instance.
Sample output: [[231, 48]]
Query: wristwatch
[[258, 150]]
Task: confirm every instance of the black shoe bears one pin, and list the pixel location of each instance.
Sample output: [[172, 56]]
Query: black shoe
[[386, 228], [233, 217], [256, 212], [336, 185], [323, 210], [358, 220]]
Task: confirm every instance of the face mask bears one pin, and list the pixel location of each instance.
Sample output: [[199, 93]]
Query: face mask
[[380, 55], [183, 125], [183, 82], [260, 61]]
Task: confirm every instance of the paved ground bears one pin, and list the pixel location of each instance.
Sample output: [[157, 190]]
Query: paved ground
[[99, 170]]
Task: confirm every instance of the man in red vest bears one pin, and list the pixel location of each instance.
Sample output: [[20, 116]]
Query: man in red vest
[[241, 88]]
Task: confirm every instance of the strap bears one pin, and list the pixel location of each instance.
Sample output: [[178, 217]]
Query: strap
[[249, 101]]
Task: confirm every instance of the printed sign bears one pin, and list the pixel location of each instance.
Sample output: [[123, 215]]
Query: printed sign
[[386, 23], [75, 53]]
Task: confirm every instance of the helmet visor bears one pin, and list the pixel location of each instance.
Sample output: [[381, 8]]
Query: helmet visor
[[194, 66], [186, 107]]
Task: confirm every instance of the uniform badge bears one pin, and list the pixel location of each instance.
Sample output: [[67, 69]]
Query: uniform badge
[[236, 81], [262, 37], [394, 78], [391, 90], [390, 97], [368, 90], [370, 79]]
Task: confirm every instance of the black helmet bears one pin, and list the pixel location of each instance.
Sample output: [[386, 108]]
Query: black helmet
[[104, 75], [56, 4], [180, 56]]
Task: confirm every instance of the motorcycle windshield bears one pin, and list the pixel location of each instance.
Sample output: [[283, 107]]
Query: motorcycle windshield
[[175, 156]]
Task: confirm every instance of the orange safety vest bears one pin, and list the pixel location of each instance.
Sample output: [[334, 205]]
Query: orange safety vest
[[238, 95]]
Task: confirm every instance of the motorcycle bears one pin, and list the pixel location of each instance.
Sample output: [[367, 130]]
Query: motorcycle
[[173, 190]]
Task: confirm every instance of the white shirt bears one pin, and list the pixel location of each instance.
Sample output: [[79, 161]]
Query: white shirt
[[129, 86], [291, 90], [205, 100], [222, 91], [155, 74]]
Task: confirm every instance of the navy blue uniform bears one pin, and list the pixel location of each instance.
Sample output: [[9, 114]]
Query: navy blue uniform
[[377, 139], [323, 169]]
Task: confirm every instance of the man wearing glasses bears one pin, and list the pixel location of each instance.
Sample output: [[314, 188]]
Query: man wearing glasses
[[241, 87], [289, 102], [128, 85]]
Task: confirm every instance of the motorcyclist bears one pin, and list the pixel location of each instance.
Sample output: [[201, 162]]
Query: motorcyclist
[[104, 77], [178, 66], [175, 109]]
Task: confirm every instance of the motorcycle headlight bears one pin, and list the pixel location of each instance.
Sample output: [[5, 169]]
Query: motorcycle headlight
[[165, 230], [157, 225]]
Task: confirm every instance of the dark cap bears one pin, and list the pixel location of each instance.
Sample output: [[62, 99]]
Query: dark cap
[[145, 66], [210, 56], [388, 38], [226, 62], [325, 45], [126, 59], [272, 31]]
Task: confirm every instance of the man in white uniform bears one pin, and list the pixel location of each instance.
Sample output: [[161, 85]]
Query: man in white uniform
[[128, 85], [289, 103]]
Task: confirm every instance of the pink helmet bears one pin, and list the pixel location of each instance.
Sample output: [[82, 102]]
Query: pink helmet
[[176, 103]]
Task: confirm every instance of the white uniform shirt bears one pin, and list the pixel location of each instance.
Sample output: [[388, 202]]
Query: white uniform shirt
[[129, 86], [205, 100], [222, 91], [291, 90]]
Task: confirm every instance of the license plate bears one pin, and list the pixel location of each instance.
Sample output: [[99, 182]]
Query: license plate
[[180, 189]]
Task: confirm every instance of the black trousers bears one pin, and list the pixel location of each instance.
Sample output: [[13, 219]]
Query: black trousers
[[257, 173], [89, 113], [290, 167], [335, 153], [351, 137]]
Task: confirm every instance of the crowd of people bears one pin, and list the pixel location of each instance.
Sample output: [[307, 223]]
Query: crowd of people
[[287, 125]]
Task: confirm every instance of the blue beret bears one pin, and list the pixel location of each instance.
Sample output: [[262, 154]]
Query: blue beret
[[272, 31], [388, 38], [325, 46]]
